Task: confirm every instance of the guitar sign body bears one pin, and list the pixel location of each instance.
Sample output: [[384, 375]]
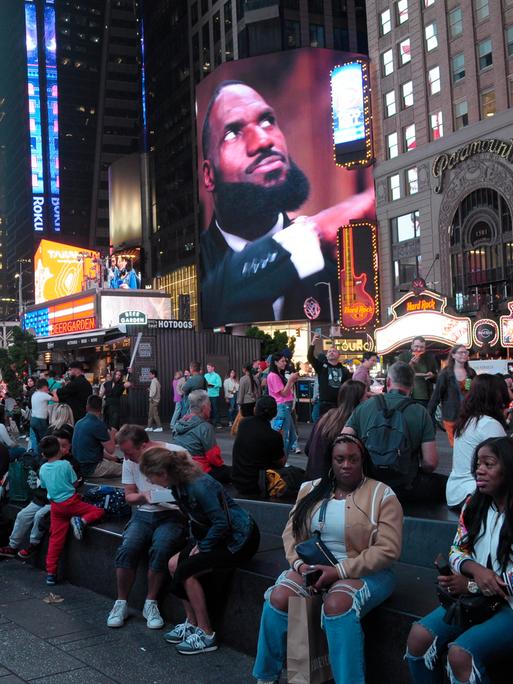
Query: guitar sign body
[[358, 306]]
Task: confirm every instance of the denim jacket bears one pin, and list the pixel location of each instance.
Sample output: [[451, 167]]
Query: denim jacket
[[202, 501]]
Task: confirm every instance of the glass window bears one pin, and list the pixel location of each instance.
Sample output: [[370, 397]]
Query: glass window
[[428, 3], [387, 62], [292, 34], [412, 181], [434, 80], [431, 33], [406, 270], [340, 38], [410, 142], [316, 35], [437, 125], [217, 27], [227, 12], [385, 22], [390, 108], [402, 11], [488, 103], [392, 146], [405, 227], [394, 187], [482, 10], [461, 114], [404, 51], [458, 67], [509, 40], [510, 90], [204, 6], [455, 22], [407, 94], [484, 51]]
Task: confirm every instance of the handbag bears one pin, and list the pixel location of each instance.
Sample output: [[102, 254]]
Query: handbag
[[467, 610], [307, 647], [314, 551]]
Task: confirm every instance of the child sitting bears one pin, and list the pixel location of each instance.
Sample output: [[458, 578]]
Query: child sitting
[[66, 506]]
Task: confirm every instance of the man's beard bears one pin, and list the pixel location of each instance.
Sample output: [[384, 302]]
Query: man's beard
[[250, 210]]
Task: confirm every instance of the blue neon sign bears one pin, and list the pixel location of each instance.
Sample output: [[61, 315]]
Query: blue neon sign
[[52, 106]]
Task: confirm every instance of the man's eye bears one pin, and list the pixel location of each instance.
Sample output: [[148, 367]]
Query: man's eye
[[229, 136], [266, 123]]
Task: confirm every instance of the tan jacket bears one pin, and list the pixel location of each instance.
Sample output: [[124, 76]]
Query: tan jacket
[[373, 529]]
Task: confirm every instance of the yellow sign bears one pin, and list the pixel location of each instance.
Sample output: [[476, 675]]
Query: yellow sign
[[61, 270]]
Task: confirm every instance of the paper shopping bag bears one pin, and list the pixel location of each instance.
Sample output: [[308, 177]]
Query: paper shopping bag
[[307, 648], [236, 422]]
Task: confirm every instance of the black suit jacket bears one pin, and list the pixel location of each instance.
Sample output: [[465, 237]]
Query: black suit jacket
[[240, 287]]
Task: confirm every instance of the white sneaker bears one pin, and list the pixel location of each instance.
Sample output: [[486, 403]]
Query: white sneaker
[[118, 614], [149, 429], [151, 613], [157, 429]]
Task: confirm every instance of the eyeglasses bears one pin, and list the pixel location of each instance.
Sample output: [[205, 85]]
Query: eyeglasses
[[462, 351]]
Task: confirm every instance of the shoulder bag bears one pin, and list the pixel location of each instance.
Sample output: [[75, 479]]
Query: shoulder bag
[[314, 551]]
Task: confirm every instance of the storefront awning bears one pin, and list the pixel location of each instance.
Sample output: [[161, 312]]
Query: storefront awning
[[93, 338]]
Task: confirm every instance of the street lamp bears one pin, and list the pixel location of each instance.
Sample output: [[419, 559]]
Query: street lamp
[[19, 277], [332, 316]]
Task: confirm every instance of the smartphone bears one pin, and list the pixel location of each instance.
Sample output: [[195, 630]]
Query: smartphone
[[442, 565], [311, 577]]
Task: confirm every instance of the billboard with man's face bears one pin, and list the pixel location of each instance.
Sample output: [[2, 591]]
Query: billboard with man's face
[[271, 192]]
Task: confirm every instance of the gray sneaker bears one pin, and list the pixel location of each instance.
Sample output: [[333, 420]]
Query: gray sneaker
[[198, 642], [179, 633], [118, 614], [152, 614], [78, 526]]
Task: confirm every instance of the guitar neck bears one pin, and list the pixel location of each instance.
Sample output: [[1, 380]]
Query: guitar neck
[[347, 232]]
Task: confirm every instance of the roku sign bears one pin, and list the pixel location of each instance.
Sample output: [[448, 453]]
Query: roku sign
[[38, 204]]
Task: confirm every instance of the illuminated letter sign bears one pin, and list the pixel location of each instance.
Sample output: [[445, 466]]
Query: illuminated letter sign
[[486, 331], [38, 204]]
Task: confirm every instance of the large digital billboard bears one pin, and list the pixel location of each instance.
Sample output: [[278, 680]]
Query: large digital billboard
[[52, 108], [271, 192], [358, 276], [61, 270], [72, 316], [134, 310]]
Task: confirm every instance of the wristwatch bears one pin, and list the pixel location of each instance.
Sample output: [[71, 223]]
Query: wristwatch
[[472, 587]]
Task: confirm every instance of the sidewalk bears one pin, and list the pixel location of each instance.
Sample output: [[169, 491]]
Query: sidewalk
[[70, 642]]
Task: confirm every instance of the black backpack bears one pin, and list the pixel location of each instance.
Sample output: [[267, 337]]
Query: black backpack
[[393, 460]]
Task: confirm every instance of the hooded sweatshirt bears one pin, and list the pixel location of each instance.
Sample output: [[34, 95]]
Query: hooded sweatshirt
[[198, 436]]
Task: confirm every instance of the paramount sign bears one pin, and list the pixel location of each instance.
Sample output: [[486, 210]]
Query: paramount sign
[[446, 162]]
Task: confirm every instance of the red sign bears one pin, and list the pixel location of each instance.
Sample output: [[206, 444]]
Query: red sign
[[72, 326]]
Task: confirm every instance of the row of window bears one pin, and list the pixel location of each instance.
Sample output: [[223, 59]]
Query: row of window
[[408, 136], [411, 184], [481, 11]]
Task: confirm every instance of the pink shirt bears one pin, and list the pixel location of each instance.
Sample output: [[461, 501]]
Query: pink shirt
[[177, 397], [275, 385]]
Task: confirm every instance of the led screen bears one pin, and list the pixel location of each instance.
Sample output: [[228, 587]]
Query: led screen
[[76, 315], [52, 107], [265, 159], [61, 270], [116, 310], [34, 107]]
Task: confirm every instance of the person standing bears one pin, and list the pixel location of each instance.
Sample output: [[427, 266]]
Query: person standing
[[231, 387], [177, 397], [452, 386], [362, 373], [112, 392], [39, 415], [281, 389], [94, 445], [425, 368], [154, 399], [76, 391], [331, 375], [249, 391], [214, 384]]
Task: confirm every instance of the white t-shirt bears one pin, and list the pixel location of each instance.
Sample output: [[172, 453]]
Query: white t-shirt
[[333, 532], [39, 404], [461, 482], [131, 474]]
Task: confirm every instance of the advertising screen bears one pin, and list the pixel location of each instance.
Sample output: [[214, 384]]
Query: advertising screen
[[61, 270], [271, 192], [358, 276], [52, 107], [73, 316], [134, 310]]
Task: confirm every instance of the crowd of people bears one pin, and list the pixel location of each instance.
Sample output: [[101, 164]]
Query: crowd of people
[[367, 456]]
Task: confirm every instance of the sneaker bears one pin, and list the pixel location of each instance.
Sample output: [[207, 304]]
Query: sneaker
[[158, 429], [198, 642], [8, 552], [179, 633], [78, 526], [151, 613], [27, 553], [149, 429], [51, 579], [118, 614], [297, 451]]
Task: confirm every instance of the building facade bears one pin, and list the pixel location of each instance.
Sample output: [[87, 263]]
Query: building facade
[[442, 77]]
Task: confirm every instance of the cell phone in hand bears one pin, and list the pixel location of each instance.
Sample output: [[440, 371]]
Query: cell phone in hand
[[442, 565], [311, 577]]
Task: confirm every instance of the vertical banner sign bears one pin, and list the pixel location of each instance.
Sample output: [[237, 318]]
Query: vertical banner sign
[[357, 257], [52, 106]]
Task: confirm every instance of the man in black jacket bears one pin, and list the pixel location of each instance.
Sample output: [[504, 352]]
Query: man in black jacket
[[76, 391], [331, 375], [258, 265]]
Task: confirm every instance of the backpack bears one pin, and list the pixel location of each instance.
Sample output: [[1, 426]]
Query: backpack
[[111, 499], [21, 476], [284, 481], [388, 442]]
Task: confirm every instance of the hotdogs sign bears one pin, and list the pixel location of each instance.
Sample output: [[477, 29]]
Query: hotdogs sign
[[446, 162]]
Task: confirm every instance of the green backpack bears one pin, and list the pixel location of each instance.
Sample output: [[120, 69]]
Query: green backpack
[[20, 472]]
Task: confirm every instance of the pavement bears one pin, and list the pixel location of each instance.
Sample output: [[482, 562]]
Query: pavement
[[69, 641]]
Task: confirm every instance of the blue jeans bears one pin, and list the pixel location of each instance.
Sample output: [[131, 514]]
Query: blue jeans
[[214, 412], [38, 429], [283, 421], [232, 408], [177, 413], [485, 643], [344, 633]]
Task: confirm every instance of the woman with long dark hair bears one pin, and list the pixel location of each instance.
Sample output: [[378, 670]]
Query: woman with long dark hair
[[329, 426], [481, 560], [360, 524], [481, 416], [452, 386], [113, 391], [249, 391], [281, 389]]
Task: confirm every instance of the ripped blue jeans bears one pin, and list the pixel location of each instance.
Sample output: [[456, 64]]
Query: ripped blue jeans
[[344, 632], [485, 643]]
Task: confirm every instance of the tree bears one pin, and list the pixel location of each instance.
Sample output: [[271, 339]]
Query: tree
[[273, 344], [18, 360]]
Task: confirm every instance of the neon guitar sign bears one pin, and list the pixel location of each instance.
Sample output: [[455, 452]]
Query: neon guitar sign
[[357, 302]]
